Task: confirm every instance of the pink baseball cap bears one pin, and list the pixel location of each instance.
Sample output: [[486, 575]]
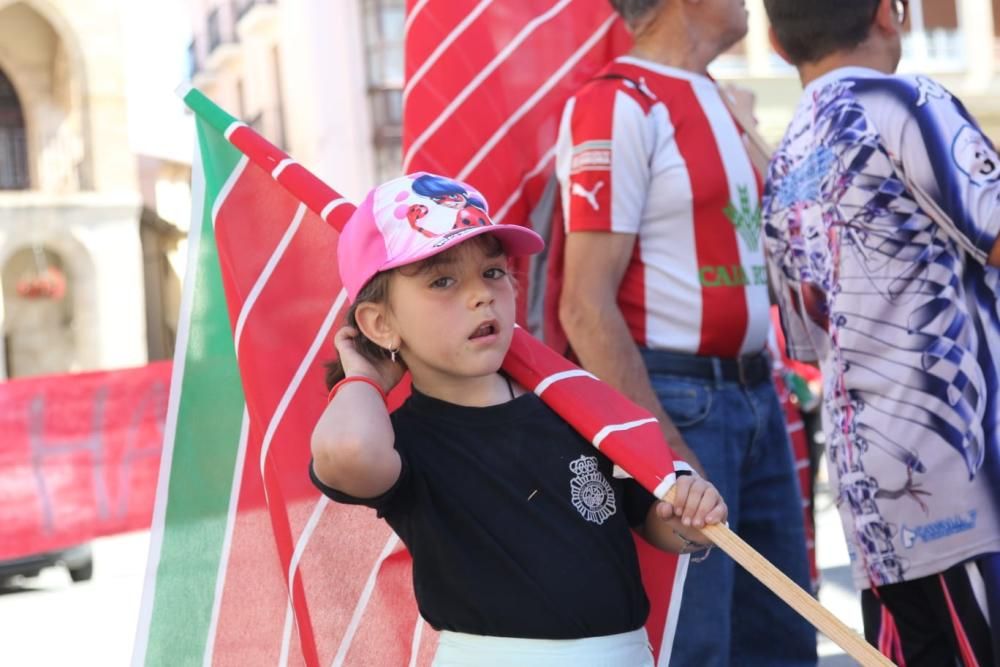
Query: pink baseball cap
[[414, 217]]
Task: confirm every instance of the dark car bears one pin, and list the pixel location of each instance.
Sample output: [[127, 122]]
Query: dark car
[[79, 560]]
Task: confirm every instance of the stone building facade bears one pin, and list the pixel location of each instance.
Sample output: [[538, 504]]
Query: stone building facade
[[71, 251]]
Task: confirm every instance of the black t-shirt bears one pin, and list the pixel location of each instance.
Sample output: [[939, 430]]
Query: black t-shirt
[[516, 525]]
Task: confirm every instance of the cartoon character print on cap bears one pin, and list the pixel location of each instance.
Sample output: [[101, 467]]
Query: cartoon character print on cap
[[432, 206], [471, 210]]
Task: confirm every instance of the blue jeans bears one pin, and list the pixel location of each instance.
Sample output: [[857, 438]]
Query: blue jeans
[[738, 432]]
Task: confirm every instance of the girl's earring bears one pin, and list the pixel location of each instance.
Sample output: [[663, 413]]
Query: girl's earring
[[392, 354]]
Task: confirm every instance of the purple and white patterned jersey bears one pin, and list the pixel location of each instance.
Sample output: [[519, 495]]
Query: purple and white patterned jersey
[[899, 308]]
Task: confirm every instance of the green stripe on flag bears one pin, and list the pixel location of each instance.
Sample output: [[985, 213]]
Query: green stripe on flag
[[208, 113], [205, 447]]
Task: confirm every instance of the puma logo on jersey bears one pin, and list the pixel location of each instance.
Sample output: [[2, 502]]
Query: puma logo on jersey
[[589, 195]]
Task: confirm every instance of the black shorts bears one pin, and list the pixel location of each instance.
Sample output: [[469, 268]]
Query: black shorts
[[937, 620]]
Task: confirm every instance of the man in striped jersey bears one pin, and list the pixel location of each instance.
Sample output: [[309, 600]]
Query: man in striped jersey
[[882, 215], [665, 297]]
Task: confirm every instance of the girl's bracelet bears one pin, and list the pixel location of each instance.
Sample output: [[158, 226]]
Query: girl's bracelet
[[357, 378], [690, 547]]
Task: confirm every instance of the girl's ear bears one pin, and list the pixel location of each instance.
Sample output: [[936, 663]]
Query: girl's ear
[[376, 325]]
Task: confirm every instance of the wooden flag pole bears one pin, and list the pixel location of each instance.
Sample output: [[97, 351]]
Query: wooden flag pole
[[802, 602]]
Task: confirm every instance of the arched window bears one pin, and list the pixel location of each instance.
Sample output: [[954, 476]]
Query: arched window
[[13, 145]]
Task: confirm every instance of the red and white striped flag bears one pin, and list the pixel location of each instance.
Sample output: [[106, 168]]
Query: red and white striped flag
[[249, 564], [486, 81]]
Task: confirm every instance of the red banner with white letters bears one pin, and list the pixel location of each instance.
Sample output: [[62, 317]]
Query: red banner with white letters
[[79, 456]]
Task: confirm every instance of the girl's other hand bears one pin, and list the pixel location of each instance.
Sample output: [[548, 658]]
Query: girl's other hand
[[386, 372], [697, 503]]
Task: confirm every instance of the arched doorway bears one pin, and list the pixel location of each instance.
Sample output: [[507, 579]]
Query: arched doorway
[[38, 314], [13, 142]]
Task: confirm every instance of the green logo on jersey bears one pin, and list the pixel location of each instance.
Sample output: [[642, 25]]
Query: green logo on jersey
[[746, 219]]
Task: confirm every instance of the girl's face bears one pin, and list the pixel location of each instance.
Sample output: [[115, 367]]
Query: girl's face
[[455, 316]]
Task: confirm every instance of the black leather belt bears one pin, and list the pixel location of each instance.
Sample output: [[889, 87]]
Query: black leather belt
[[747, 370]]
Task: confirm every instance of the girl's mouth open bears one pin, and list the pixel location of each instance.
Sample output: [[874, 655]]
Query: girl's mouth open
[[485, 330]]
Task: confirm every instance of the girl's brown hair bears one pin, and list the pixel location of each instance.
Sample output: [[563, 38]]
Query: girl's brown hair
[[376, 290]]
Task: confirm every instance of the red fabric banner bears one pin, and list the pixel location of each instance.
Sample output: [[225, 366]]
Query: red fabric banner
[[79, 456]]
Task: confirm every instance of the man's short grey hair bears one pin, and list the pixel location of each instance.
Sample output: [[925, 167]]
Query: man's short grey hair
[[633, 10]]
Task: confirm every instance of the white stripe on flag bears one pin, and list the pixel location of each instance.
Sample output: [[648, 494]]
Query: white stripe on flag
[[620, 473], [265, 275], [286, 635], [614, 428], [173, 405], [411, 16], [498, 60], [227, 541], [284, 164], [359, 608], [667, 482], [418, 633], [329, 208], [293, 385], [536, 96], [445, 43], [673, 610], [235, 125], [538, 168], [556, 377], [228, 187], [293, 567]]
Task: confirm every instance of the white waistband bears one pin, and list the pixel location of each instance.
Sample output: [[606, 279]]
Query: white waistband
[[629, 649]]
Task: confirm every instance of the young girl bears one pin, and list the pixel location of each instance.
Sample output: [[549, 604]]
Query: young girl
[[519, 533]]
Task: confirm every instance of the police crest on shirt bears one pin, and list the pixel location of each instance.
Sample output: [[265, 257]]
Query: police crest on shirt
[[590, 491]]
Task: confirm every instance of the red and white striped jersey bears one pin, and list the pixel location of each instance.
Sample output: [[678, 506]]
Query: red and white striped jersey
[[653, 151]]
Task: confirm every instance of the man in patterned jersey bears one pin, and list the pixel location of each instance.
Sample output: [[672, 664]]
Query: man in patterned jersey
[[665, 297], [882, 216]]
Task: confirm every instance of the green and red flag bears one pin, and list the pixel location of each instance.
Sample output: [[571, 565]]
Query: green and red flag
[[249, 564], [237, 526]]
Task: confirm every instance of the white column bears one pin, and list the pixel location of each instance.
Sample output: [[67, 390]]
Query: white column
[[918, 34], [758, 46], [975, 21]]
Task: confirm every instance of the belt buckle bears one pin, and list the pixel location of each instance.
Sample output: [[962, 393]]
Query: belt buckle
[[742, 364]]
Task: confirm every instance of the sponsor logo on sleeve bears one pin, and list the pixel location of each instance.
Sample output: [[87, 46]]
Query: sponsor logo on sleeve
[[591, 156]]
